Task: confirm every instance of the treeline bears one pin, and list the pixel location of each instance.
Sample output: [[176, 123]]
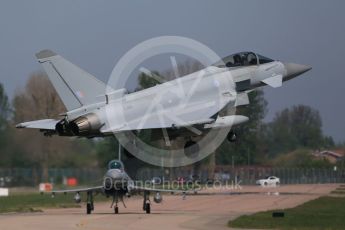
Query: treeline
[[293, 131], [29, 148]]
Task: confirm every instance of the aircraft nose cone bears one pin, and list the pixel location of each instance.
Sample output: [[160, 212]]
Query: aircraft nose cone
[[293, 70]]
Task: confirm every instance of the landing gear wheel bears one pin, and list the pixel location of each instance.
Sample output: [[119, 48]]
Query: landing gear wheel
[[148, 208], [88, 208], [232, 136], [116, 210]]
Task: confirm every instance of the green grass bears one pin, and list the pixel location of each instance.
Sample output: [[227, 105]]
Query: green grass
[[33, 202], [338, 192], [322, 213]]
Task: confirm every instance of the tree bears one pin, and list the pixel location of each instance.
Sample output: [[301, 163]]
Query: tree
[[4, 115], [4, 108], [107, 150], [300, 158], [297, 127], [39, 100], [145, 81]]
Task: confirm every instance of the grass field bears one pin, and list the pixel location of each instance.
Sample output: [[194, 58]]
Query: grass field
[[33, 202], [322, 213], [339, 191]]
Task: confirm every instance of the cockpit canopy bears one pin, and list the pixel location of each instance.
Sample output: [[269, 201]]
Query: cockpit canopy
[[242, 59], [115, 164]]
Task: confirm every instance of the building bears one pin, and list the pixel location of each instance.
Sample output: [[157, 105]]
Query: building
[[333, 156]]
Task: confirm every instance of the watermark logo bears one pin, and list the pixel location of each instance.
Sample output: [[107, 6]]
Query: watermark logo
[[185, 106], [172, 185]]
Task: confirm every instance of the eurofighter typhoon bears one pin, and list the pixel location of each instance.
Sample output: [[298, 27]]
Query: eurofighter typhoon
[[95, 109]]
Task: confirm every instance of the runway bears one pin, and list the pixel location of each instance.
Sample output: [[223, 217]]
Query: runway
[[195, 212]]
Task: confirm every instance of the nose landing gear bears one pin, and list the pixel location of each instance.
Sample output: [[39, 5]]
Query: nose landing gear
[[115, 201]]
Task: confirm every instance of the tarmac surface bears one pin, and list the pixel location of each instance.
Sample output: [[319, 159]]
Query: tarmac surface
[[210, 209]]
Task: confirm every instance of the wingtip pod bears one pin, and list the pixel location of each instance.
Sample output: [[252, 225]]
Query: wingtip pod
[[45, 54], [20, 126]]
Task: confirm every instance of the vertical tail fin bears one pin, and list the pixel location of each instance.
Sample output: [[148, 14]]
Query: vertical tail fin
[[75, 86]]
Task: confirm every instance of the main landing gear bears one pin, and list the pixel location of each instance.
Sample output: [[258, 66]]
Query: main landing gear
[[147, 203], [89, 203]]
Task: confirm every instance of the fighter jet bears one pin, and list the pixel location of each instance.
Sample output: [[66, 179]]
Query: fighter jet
[[117, 184], [96, 110]]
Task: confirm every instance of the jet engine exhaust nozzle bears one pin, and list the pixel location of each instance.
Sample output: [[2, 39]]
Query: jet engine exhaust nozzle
[[85, 125]]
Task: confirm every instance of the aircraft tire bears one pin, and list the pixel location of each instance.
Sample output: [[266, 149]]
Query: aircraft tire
[[232, 136], [116, 210], [148, 208], [88, 208]]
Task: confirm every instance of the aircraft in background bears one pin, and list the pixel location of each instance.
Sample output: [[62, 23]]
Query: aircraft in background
[[88, 100], [117, 184]]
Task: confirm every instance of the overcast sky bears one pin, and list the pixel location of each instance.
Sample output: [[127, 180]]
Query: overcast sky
[[95, 34]]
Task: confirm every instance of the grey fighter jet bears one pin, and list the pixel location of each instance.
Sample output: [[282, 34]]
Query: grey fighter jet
[[95, 109], [117, 184]]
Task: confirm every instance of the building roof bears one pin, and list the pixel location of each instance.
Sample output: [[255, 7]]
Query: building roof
[[338, 153]]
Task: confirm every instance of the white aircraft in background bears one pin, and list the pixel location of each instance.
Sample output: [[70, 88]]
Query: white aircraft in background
[[96, 111]]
